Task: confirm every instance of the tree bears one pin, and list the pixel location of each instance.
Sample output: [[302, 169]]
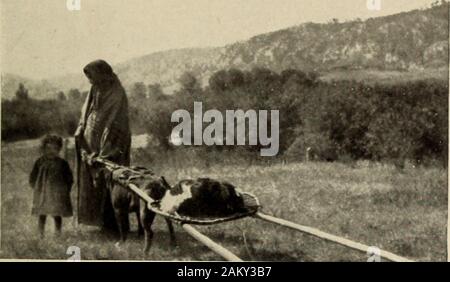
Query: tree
[[189, 83], [226, 80], [235, 78], [293, 75], [74, 94], [22, 92], [264, 83], [84, 95], [61, 96], [155, 91], [218, 81], [139, 91]]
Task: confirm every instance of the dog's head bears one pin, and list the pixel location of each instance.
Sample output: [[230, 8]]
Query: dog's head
[[156, 188]]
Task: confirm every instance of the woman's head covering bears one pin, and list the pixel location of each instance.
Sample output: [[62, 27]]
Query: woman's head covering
[[100, 73]]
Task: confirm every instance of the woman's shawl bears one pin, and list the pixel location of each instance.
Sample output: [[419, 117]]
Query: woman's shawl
[[104, 118]]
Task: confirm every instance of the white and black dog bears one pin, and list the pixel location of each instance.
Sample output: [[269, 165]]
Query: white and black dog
[[122, 200], [202, 197], [198, 198]]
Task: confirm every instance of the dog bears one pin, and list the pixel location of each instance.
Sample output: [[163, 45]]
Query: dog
[[202, 197], [152, 189], [125, 201]]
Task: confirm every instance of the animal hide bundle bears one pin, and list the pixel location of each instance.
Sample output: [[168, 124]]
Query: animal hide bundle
[[201, 198]]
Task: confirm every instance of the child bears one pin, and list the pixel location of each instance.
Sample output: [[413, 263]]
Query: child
[[51, 180]]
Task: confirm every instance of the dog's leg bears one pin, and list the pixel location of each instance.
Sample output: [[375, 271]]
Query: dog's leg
[[147, 218], [123, 222], [121, 203], [140, 227], [135, 207], [173, 239]]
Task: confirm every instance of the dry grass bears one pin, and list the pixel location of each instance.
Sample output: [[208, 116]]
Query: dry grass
[[401, 211]]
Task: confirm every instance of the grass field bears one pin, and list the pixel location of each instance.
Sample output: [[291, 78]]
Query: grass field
[[402, 211]]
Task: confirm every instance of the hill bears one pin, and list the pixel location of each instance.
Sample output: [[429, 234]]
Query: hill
[[407, 45]]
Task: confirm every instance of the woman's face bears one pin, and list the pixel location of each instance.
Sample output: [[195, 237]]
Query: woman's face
[[93, 79]]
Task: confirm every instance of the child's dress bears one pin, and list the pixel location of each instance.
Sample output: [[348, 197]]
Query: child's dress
[[51, 179]]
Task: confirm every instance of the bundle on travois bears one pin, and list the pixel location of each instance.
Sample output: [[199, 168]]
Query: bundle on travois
[[190, 200], [202, 197]]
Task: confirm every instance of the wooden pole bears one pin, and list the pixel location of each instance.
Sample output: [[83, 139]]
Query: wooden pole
[[333, 238], [218, 249], [140, 193]]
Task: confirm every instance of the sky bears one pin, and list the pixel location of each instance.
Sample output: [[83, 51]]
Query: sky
[[42, 39]]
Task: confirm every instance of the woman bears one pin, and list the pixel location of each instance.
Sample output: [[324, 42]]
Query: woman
[[104, 132]]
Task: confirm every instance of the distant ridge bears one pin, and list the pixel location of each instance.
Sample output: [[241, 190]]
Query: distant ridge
[[408, 42]]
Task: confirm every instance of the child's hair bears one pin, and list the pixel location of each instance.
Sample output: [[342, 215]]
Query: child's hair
[[51, 139]]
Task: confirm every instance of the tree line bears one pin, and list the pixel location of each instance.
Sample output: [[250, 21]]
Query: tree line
[[337, 120]]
